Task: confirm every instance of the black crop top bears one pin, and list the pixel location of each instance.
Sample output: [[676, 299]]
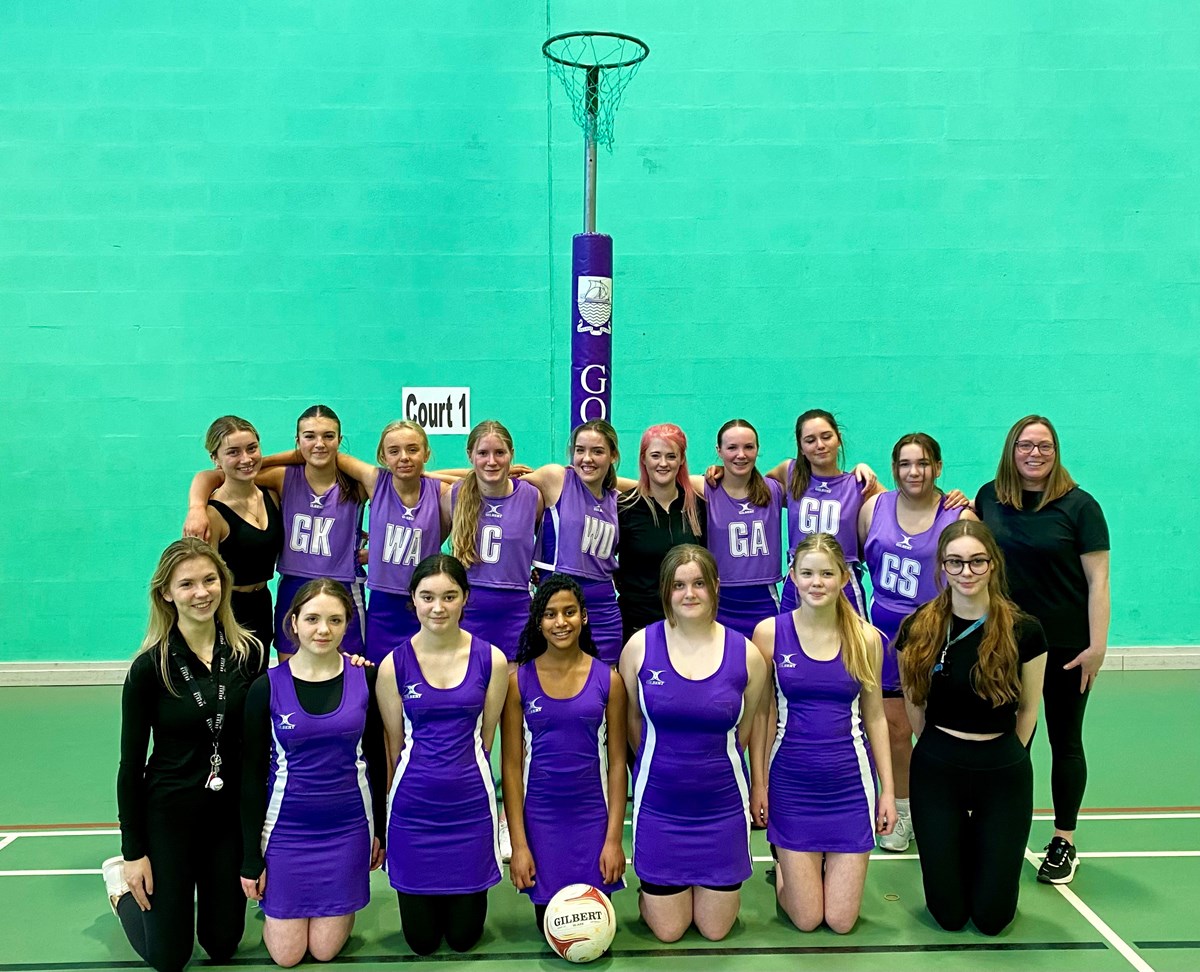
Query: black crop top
[[952, 702], [248, 551]]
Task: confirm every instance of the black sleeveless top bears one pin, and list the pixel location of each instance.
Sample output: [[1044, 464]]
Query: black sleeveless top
[[250, 552]]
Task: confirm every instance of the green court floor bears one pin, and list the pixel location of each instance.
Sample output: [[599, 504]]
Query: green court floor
[[1134, 902]]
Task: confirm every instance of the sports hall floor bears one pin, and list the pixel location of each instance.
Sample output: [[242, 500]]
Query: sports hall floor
[[1134, 903]]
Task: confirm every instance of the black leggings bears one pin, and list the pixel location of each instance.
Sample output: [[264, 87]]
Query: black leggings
[[1065, 705], [428, 918], [972, 805], [195, 859], [253, 610]]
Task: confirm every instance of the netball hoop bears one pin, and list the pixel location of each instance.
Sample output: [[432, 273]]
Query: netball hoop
[[594, 67]]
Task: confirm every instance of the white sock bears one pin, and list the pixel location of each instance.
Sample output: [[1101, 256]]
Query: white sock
[[902, 808]]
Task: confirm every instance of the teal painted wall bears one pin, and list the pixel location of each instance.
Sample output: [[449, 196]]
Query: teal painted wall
[[935, 216]]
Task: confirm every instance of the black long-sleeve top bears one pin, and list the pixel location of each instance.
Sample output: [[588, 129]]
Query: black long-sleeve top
[[316, 698], [647, 533], [178, 766]]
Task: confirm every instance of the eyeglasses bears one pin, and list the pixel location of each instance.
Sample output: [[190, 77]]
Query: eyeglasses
[[978, 565], [1026, 448]]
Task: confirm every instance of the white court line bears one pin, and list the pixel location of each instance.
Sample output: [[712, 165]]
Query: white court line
[[1086, 817], [1139, 854], [1093, 919], [47, 873], [61, 833], [7, 840]]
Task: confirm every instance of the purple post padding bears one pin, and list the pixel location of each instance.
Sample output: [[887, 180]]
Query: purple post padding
[[591, 327]]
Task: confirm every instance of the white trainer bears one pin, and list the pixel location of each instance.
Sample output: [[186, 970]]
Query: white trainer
[[113, 871], [898, 840]]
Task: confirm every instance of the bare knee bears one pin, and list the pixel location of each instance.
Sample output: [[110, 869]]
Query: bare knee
[[843, 924], [714, 930], [287, 956]]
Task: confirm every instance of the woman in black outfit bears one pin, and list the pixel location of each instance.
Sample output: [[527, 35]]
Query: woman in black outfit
[[971, 664], [1055, 540], [177, 878], [663, 509]]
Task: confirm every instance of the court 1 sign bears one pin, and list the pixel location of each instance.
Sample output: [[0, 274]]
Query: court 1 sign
[[439, 411]]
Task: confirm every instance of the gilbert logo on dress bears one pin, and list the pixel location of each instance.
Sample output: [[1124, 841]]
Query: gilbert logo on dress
[[823, 488], [409, 512], [317, 502], [533, 706], [745, 507], [410, 690], [905, 542], [285, 720], [655, 676], [493, 509], [786, 661]]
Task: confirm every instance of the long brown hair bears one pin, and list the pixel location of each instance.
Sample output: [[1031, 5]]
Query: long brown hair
[[801, 469], [311, 589], [469, 499], [758, 493], [350, 489], [1008, 480], [997, 675], [852, 630], [929, 448], [164, 616], [678, 556], [674, 435], [606, 432]]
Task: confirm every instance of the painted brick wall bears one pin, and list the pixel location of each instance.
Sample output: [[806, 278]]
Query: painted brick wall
[[921, 216]]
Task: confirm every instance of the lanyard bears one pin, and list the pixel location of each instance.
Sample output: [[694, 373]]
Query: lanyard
[[215, 721], [941, 662]]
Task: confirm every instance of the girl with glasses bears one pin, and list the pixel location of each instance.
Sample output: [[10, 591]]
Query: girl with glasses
[[1055, 539], [971, 663]]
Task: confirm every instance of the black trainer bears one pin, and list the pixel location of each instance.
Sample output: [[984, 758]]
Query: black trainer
[[1060, 862]]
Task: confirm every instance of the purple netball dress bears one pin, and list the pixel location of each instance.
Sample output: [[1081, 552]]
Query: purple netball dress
[[498, 605], [691, 817], [581, 540], [442, 808], [321, 537], [746, 541], [903, 573], [821, 780], [566, 782], [829, 505], [317, 835], [401, 537]]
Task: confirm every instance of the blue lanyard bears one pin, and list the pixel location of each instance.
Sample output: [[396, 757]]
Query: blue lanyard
[[941, 663]]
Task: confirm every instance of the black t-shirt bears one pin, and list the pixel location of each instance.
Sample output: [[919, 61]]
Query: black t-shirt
[[316, 698], [175, 774], [644, 543], [952, 702], [1042, 550]]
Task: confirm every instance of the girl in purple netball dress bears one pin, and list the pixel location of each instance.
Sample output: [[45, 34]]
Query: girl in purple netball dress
[[698, 685], [407, 524], [563, 736], [322, 518], [822, 814], [579, 529], [899, 532], [744, 531], [310, 820], [494, 519], [440, 694]]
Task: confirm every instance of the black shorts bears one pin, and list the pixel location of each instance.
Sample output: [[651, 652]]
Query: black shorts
[[662, 890], [893, 693]]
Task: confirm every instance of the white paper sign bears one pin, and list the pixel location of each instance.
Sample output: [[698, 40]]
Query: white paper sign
[[439, 411]]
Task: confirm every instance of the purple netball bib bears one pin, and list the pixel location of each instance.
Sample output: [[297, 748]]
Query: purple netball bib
[[903, 568], [745, 539], [584, 531], [321, 531], [504, 538], [829, 505], [401, 536]]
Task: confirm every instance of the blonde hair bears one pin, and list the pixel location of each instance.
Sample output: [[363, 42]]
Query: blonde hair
[[856, 645], [679, 556], [1008, 479], [400, 425], [164, 616], [997, 675], [224, 427], [468, 501]]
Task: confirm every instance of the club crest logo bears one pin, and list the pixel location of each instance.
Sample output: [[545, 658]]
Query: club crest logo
[[593, 299]]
